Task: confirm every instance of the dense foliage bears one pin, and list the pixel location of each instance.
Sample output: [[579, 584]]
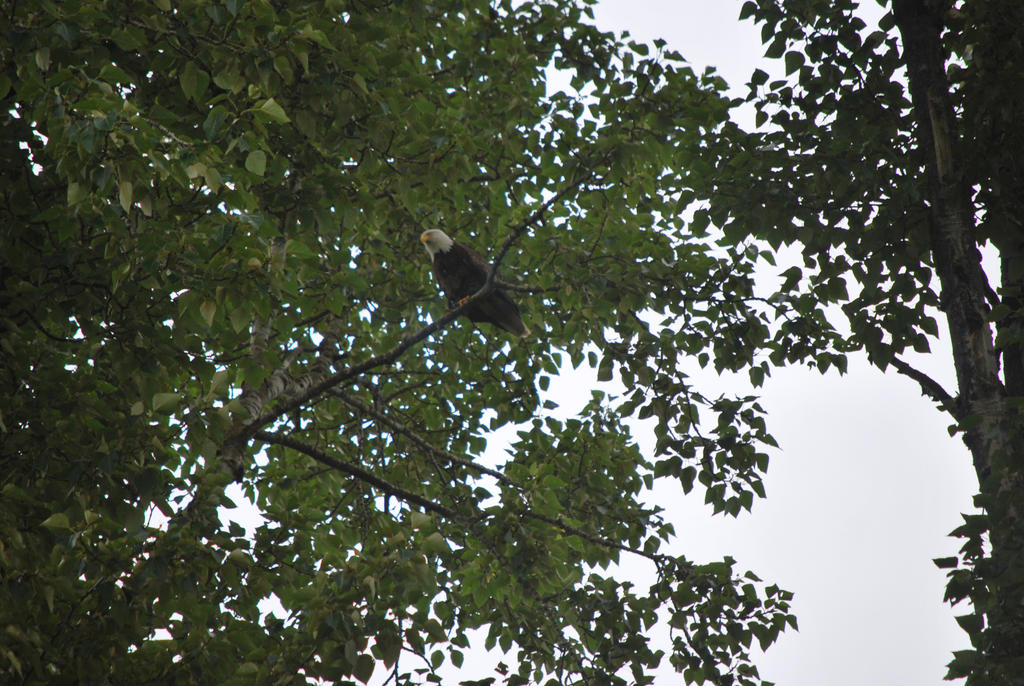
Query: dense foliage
[[212, 284], [211, 273]]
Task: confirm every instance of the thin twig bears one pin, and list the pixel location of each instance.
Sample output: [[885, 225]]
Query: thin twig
[[505, 285], [534, 217], [51, 336]]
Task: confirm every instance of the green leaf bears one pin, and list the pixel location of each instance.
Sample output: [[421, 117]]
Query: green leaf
[[435, 543], [390, 645], [256, 162], [213, 179], [194, 81], [776, 48], [57, 521], [420, 520], [240, 318], [48, 595], [75, 193], [229, 80], [360, 82], [124, 195], [794, 60], [165, 401], [114, 74], [273, 110], [215, 122], [970, 623], [363, 668], [43, 58], [317, 36], [208, 309]]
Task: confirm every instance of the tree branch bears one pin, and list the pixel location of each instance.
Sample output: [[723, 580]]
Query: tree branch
[[929, 386], [399, 428], [597, 540], [444, 454], [51, 336], [356, 472], [381, 359], [415, 499]]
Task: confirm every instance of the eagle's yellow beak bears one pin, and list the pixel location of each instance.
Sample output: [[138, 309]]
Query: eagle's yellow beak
[[424, 237]]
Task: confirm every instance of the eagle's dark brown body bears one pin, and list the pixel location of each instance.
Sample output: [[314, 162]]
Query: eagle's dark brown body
[[461, 271]]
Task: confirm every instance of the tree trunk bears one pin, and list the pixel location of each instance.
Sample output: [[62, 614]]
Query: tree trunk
[[991, 427]]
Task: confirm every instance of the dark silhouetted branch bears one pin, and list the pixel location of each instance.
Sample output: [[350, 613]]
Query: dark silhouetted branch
[[400, 428], [929, 386], [355, 471]]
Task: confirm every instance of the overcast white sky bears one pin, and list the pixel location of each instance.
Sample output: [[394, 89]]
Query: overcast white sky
[[867, 484]]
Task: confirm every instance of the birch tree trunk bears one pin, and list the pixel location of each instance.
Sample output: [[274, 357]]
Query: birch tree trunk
[[990, 421]]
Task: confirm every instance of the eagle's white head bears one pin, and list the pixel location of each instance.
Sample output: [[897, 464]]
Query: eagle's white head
[[435, 241]]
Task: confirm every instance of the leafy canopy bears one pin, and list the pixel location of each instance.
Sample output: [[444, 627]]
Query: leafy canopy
[[211, 273]]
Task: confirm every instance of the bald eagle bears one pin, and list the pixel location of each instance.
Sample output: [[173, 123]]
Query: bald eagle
[[461, 272]]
